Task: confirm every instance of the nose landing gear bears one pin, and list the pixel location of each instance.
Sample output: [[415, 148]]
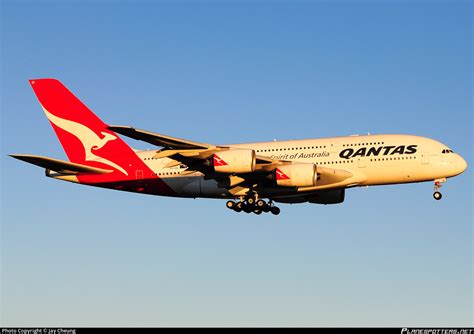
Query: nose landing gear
[[253, 204], [437, 184]]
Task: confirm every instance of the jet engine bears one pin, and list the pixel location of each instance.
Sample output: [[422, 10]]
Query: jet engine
[[234, 161], [296, 175]]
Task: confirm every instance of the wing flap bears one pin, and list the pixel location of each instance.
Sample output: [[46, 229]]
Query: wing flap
[[60, 166]]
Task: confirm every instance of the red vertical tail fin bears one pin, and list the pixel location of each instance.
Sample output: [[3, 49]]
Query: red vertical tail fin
[[84, 137]]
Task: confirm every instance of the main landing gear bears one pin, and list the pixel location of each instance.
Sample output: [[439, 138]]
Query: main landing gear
[[437, 184], [253, 204]]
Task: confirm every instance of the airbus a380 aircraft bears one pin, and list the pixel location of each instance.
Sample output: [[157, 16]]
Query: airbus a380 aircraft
[[296, 171]]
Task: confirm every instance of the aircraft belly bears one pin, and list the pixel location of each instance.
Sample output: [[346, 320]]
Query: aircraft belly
[[210, 188], [196, 186], [184, 186]]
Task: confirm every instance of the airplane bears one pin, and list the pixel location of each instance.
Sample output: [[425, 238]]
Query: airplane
[[251, 176]]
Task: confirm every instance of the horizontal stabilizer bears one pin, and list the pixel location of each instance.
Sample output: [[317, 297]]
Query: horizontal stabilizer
[[59, 166]]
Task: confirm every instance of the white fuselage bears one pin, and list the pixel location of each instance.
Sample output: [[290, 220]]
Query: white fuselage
[[372, 159]]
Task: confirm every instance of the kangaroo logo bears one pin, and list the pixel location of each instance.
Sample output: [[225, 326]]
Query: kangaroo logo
[[280, 175], [89, 139], [218, 161]]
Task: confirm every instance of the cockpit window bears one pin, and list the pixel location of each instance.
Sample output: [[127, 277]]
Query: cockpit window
[[446, 151]]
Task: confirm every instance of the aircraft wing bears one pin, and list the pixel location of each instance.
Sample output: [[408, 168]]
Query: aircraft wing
[[194, 155], [173, 145], [158, 139]]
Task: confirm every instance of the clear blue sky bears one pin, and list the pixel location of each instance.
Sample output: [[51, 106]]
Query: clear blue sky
[[226, 72]]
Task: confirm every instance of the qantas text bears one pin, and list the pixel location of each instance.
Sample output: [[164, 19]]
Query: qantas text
[[299, 155], [375, 151]]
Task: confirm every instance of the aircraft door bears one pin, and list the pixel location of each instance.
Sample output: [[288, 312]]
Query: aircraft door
[[139, 177], [139, 174]]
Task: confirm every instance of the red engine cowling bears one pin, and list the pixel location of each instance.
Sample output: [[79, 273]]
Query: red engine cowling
[[296, 175], [234, 161]]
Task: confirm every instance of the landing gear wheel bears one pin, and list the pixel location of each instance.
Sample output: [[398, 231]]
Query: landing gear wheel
[[253, 204], [275, 210], [238, 206], [437, 184], [247, 208], [250, 201]]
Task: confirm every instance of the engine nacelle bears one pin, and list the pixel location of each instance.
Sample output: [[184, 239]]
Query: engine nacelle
[[296, 175], [234, 161], [328, 197]]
